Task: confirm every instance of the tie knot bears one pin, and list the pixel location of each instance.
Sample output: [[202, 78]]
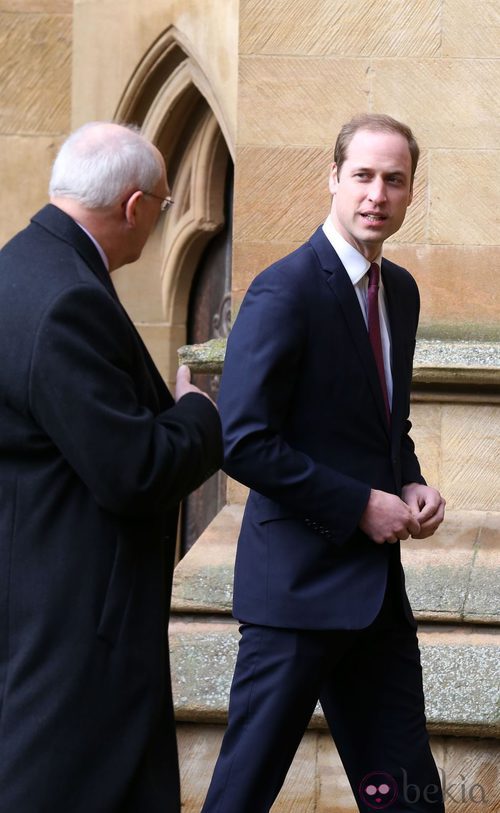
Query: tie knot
[[373, 276]]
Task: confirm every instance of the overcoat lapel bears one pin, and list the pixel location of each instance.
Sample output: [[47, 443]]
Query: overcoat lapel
[[343, 289], [63, 227]]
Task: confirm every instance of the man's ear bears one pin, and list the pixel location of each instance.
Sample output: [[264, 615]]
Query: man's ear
[[131, 207], [333, 179]]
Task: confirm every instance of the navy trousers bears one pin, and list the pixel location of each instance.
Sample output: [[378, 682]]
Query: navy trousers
[[369, 683]]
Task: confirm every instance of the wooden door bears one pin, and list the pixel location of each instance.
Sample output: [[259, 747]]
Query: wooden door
[[209, 317]]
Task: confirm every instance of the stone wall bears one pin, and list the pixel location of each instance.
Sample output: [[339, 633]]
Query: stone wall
[[306, 67], [118, 44], [35, 102], [112, 37]]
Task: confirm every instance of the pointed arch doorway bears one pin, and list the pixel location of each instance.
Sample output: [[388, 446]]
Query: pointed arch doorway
[[189, 254], [209, 317]]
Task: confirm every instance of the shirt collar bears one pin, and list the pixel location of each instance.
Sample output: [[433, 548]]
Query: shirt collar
[[354, 263], [97, 245]]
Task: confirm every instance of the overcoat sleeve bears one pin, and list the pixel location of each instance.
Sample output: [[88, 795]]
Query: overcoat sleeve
[[91, 391]]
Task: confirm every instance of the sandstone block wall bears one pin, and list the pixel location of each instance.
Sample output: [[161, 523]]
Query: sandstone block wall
[[306, 67], [459, 450], [115, 42], [112, 36], [35, 102]]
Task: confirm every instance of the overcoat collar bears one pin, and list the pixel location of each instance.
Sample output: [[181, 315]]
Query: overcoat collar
[[341, 286], [61, 225]]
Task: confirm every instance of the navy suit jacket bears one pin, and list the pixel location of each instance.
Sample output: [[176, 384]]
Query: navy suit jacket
[[305, 428], [94, 459]]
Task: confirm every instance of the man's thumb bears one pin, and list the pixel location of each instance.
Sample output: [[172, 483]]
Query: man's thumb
[[184, 374]]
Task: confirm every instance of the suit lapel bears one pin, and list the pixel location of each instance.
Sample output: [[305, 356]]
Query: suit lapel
[[342, 288]]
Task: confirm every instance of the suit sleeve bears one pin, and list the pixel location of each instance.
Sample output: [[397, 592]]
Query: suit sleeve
[[85, 392], [410, 466], [261, 370]]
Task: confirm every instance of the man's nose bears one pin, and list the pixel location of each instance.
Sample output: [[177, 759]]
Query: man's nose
[[376, 191]]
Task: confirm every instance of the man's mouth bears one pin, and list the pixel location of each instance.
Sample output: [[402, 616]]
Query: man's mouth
[[373, 217]]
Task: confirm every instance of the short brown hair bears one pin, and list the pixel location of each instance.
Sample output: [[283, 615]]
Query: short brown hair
[[376, 122]]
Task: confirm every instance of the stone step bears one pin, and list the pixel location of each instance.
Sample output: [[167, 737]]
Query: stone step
[[203, 579], [455, 575], [452, 577], [316, 781], [461, 667]]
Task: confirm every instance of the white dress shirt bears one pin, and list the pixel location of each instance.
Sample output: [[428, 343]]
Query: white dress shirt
[[357, 267]]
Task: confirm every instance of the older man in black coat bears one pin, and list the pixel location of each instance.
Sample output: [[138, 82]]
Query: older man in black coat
[[95, 455]]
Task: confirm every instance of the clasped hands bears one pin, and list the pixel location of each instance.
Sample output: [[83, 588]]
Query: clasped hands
[[418, 514]]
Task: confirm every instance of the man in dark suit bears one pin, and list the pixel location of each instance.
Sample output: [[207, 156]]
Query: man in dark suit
[[95, 456], [314, 404]]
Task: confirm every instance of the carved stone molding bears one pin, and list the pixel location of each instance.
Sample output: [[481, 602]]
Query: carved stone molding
[[171, 99], [154, 74]]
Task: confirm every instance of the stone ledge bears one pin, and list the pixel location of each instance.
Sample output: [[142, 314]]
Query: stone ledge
[[451, 367], [207, 357], [452, 577], [438, 363], [438, 353], [203, 654]]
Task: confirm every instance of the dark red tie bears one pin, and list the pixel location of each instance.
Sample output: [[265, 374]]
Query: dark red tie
[[374, 330]]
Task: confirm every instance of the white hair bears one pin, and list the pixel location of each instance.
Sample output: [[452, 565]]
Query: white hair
[[101, 161]]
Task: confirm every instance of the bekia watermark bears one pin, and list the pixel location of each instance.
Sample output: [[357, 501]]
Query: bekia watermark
[[379, 790]]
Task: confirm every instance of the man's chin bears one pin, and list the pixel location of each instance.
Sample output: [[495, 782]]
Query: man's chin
[[132, 258]]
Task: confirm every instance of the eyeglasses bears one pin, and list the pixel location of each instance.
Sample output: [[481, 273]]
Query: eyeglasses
[[165, 202]]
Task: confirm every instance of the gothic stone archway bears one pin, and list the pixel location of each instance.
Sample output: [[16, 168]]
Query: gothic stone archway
[[170, 98]]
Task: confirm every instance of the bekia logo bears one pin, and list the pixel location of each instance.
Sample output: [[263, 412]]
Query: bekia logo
[[378, 790]]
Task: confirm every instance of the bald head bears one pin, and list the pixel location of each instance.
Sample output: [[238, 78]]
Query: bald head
[[111, 180], [101, 162]]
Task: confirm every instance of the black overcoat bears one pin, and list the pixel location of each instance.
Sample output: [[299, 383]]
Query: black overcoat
[[94, 459]]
